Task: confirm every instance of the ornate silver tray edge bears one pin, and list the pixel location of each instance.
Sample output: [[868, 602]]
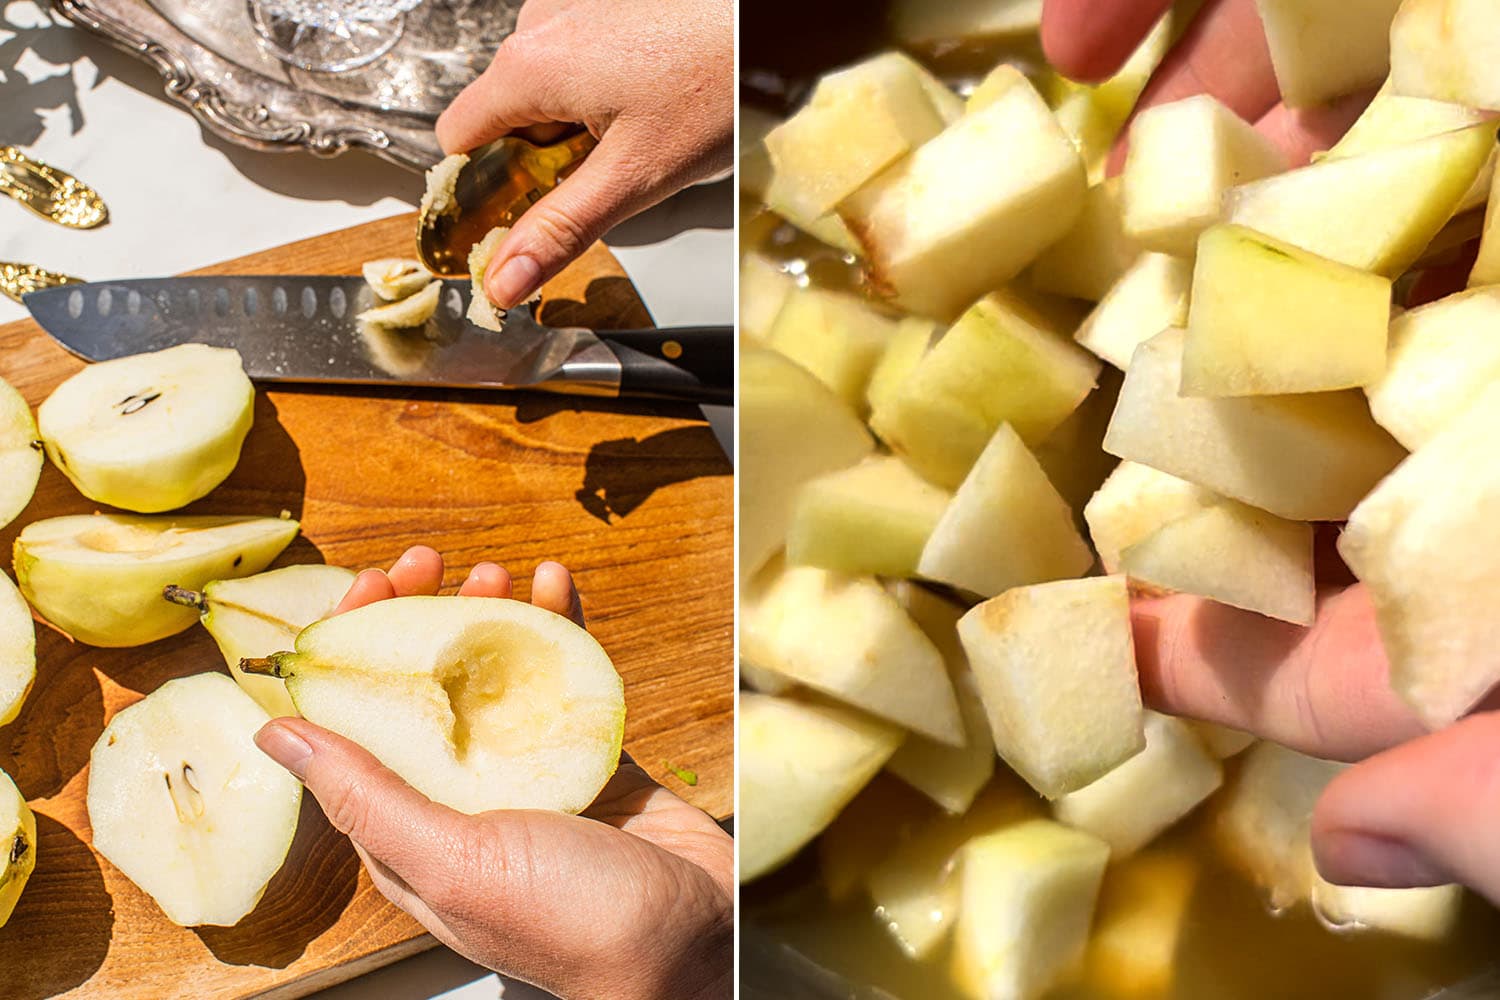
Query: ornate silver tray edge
[[247, 122]]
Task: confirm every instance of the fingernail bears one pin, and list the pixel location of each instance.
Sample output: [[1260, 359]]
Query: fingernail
[[285, 748], [514, 282], [1376, 861]]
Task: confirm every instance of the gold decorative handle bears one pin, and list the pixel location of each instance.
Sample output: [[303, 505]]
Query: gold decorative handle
[[18, 279], [55, 195]]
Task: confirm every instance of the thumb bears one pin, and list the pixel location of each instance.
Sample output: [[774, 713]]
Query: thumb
[[1422, 814], [611, 185], [393, 822]]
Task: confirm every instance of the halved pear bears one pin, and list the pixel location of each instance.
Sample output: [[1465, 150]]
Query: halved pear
[[262, 614], [478, 702], [186, 806], [801, 761], [1322, 49], [17, 650], [1150, 297], [150, 432], [1377, 211], [17, 845], [20, 454], [1448, 50], [100, 577]]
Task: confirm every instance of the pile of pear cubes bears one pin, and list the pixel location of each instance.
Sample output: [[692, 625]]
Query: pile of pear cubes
[[951, 430], [150, 434]]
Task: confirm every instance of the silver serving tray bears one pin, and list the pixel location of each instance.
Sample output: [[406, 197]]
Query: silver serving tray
[[212, 63]]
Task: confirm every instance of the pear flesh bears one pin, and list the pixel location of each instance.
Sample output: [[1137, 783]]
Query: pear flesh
[[186, 806], [17, 650], [20, 454], [151, 432], [100, 577], [17, 845], [479, 703], [262, 614]]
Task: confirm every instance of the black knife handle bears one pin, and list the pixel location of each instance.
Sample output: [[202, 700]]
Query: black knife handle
[[693, 363]]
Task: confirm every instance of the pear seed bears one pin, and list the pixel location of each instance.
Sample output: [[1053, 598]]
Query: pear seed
[[18, 848], [135, 404]]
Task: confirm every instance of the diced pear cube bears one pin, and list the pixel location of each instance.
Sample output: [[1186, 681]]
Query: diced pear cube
[[1073, 456], [858, 122], [835, 336], [872, 518], [951, 776], [882, 818], [916, 888], [1425, 914], [800, 764], [936, 615], [1424, 543], [1448, 50], [1322, 49], [848, 638], [995, 83], [754, 170], [1056, 670], [1007, 526], [1133, 503], [1150, 297], [1183, 157], [1443, 357], [923, 23], [758, 678], [1139, 800], [1025, 906], [913, 338], [1233, 554], [1264, 827], [793, 429], [1142, 914], [1305, 458], [972, 208], [830, 229], [1377, 211], [1003, 362], [1221, 741], [764, 288], [1093, 255], [1270, 319]]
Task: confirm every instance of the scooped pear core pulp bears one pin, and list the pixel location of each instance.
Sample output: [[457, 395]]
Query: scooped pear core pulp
[[480, 703]]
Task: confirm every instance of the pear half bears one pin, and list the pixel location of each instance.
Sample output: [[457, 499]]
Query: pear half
[[17, 845], [20, 454], [17, 650], [480, 703], [100, 577], [150, 432], [262, 614], [186, 806]]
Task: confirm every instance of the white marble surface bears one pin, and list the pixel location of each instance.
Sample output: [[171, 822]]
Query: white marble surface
[[180, 198]]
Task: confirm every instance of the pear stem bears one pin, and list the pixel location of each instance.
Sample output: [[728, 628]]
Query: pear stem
[[262, 666], [187, 598]]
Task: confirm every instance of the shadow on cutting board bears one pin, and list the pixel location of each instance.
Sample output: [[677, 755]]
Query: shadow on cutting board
[[622, 474], [59, 934], [49, 742], [305, 898]]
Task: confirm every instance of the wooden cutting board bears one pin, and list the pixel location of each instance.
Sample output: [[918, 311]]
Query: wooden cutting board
[[636, 498]]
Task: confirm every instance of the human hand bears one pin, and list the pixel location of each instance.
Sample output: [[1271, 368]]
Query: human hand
[[653, 82], [632, 899], [1223, 53], [1418, 809]]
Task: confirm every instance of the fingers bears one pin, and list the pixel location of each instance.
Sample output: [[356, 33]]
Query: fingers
[[1324, 691], [500, 101], [486, 580], [1301, 132], [370, 586], [418, 571], [552, 588], [379, 811], [607, 188], [1089, 40], [1421, 814]]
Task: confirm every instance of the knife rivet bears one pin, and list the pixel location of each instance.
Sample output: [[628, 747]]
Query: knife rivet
[[672, 349]]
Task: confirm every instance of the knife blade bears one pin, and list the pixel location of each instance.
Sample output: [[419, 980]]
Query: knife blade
[[304, 328]]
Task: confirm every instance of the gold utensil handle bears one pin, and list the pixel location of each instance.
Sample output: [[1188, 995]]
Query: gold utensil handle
[[18, 279], [53, 194]]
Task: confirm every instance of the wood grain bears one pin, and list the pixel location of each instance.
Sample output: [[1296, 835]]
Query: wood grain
[[635, 498]]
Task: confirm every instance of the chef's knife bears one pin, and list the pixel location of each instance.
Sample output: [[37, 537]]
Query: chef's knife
[[291, 328]]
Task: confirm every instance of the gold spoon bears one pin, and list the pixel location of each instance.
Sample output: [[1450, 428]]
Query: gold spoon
[[500, 181], [18, 279], [55, 195]]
